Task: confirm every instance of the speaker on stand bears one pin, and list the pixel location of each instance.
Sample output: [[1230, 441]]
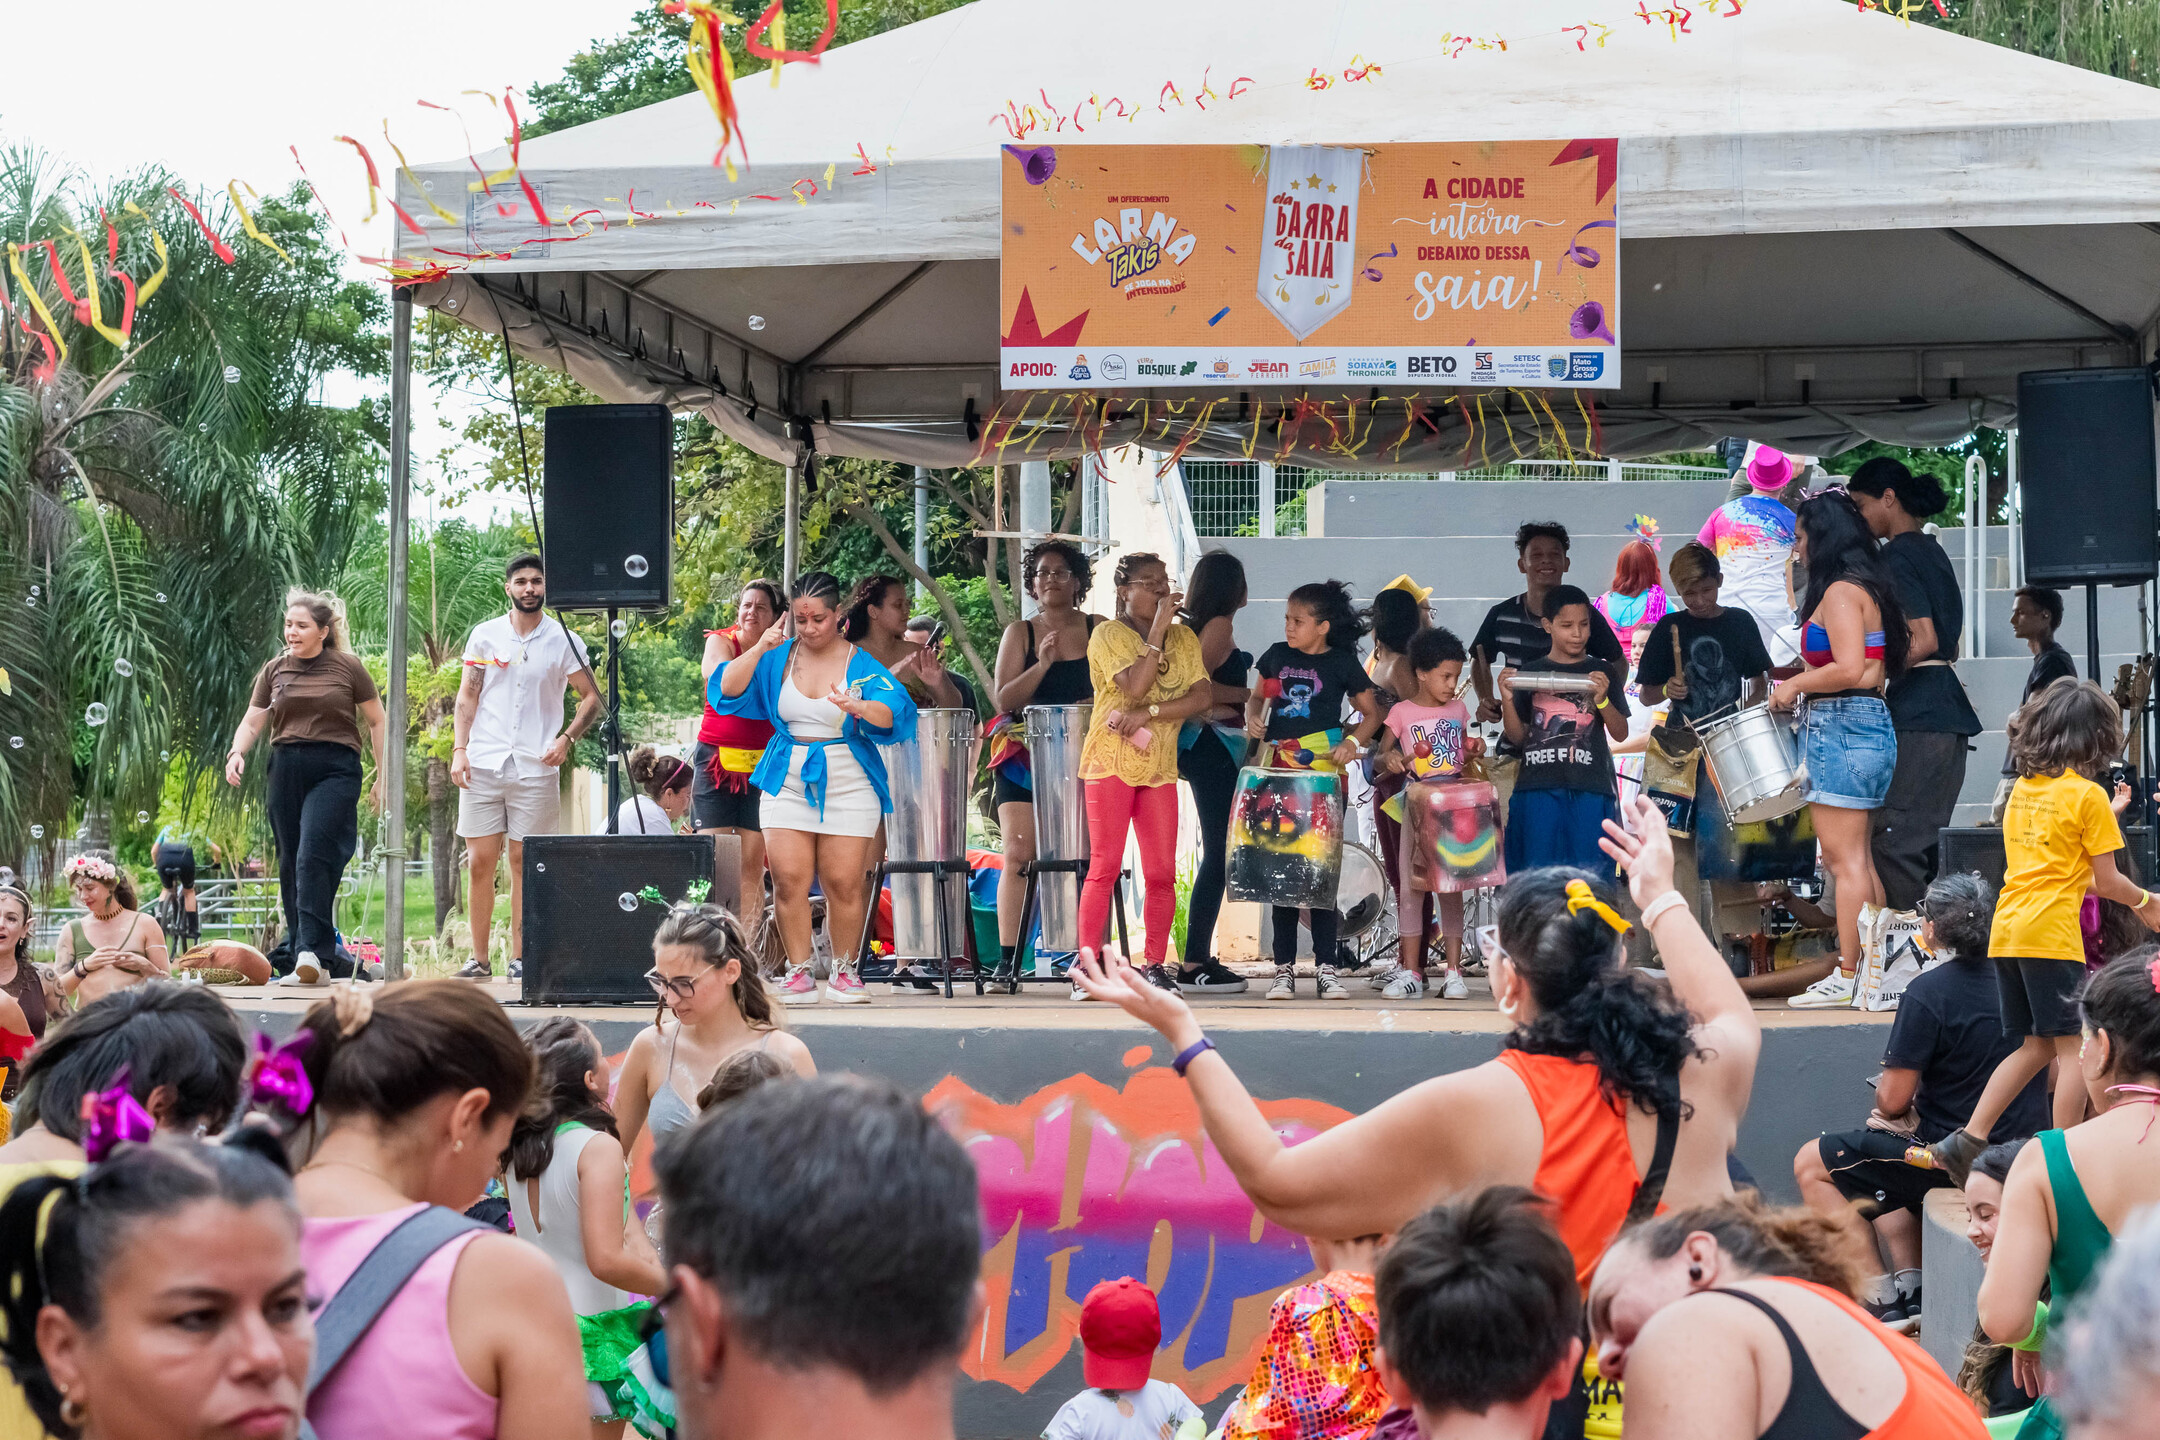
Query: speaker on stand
[[609, 496], [2086, 453]]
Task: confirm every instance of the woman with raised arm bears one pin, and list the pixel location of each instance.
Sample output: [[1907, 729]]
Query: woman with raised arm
[[722, 799], [831, 705], [875, 617], [1599, 1055], [1040, 661]]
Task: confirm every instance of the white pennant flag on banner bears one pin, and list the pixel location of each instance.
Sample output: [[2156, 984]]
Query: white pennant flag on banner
[[1310, 233]]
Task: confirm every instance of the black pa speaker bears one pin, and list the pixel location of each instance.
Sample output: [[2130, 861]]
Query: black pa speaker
[[609, 498], [1980, 847], [581, 946], [2085, 456]]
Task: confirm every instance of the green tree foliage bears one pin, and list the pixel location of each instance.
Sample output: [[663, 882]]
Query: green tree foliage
[[160, 498], [649, 62]]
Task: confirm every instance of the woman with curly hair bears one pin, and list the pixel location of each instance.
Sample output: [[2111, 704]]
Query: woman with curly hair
[[875, 617]]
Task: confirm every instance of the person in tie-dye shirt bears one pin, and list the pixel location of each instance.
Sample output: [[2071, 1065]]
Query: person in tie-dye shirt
[[1752, 537], [1315, 1379]]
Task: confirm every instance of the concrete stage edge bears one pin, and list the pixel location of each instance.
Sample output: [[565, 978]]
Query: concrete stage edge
[[1094, 1166]]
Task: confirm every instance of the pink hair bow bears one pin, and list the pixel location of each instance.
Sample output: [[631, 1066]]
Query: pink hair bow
[[279, 1075], [113, 1117], [2152, 973]]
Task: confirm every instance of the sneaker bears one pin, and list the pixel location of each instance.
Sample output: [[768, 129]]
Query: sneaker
[[914, 980], [1890, 1313], [1833, 991], [517, 970], [1455, 987], [1911, 1301], [799, 988], [846, 988], [1954, 1154], [1285, 986], [1211, 977], [1404, 984], [473, 970], [1160, 977], [1331, 986], [307, 970], [1080, 994]]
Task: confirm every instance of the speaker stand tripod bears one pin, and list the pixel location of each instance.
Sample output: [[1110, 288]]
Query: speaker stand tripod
[[937, 870], [613, 731], [1030, 907]]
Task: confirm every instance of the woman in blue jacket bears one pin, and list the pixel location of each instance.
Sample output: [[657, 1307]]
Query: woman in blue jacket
[[831, 704]]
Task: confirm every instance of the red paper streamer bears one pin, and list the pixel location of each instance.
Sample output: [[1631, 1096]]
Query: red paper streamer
[[759, 48], [224, 251]]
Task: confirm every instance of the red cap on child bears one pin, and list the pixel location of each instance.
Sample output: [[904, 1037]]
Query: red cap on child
[[1120, 1326]]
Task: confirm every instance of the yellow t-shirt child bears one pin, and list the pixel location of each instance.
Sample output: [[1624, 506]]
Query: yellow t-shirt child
[[2052, 827]]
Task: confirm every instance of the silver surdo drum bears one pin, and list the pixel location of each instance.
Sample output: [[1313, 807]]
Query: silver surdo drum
[[1055, 734], [930, 776], [1755, 763]]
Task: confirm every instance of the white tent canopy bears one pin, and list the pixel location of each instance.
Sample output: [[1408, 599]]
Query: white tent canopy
[[1835, 226]]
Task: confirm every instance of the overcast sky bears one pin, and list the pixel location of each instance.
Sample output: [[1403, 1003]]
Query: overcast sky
[[215, 90]]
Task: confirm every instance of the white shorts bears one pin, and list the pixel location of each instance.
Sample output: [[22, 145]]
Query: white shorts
[[495, 805]]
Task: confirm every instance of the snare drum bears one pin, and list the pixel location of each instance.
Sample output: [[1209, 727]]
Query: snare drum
[[1286, 837], [1361, 893], [1454, 835], [1755, 764]]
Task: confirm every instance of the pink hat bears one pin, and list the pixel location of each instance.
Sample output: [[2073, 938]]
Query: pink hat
[[1769, 469]]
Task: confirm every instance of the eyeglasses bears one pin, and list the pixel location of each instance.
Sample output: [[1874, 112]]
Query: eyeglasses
[[1488, 943], [654, 1327], [681, 987]]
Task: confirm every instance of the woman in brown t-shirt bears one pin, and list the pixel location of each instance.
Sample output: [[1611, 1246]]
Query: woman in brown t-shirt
[[312, 697]]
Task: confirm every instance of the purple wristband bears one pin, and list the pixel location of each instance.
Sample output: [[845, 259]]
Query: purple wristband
[[1191, 1053]]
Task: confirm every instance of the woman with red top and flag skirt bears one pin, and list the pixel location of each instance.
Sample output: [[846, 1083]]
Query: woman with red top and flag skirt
[[722, 799]]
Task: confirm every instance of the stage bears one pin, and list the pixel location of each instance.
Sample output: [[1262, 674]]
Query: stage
[[1094, 1165]]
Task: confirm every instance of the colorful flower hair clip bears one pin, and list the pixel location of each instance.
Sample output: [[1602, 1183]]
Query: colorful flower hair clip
[[279, 1076], [96, 867], [1645, 529], [113, 1117]]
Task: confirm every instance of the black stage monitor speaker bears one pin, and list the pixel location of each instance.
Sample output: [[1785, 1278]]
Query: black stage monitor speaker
[[2085, 455], [610, 506], [581, 946], [1978, 847]]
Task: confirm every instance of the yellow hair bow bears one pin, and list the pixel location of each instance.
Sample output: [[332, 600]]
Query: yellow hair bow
[[1581, 897]]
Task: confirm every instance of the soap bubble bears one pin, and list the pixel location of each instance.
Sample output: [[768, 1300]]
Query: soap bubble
[[635, 567], [37, 832], [31, 601], [232, 374], [142, 817], [15, 742], [627, 900], [541, 866], [33, 589], [618, 628], [94, 716], [161, 597], [757, 322], [123, 667], [164, 757]]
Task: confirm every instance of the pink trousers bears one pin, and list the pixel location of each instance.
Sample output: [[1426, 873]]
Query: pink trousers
[[1150, 811]]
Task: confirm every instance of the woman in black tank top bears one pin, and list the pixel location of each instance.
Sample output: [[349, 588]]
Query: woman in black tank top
[[1056, 575]]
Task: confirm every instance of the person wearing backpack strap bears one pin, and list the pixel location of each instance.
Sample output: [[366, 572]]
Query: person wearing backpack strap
[[456, 1332]]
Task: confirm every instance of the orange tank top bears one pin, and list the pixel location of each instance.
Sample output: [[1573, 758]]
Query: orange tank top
[[1933, 1408], [1585, 1166]]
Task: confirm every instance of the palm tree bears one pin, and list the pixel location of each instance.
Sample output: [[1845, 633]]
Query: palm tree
[[158, 492]]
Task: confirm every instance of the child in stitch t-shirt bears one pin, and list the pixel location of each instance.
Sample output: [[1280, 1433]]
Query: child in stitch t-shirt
[[1299, 712], [1565, 791], [1427, 738]]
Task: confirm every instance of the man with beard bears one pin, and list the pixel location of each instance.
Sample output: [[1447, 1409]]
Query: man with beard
[[509, 742]]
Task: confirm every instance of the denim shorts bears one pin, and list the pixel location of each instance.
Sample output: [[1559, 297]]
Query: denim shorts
[[1850, 749]]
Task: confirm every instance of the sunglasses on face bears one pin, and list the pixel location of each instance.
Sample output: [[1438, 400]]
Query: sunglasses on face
[[682, 987]]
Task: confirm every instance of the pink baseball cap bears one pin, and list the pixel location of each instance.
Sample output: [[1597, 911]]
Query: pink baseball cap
[[1769, 469], [1120, 1326]]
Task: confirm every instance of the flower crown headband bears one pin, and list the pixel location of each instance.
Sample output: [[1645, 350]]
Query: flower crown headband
[[93, 866]]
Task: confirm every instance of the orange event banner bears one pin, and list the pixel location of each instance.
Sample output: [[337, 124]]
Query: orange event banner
[[1130, 266]]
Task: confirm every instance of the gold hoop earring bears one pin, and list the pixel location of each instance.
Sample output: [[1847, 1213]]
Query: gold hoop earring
[[72, 1411]]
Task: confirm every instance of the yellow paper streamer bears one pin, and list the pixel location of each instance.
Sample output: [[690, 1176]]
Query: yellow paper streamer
[[37, 302], [406, 170], [118, 337], [247, 223], [149, 287]]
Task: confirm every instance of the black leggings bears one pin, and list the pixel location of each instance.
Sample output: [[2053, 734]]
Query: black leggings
[[1208, 768], [314, 805], [1325, 924]]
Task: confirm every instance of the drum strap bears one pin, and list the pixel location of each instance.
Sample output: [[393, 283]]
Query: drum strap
[[1652, 1189]]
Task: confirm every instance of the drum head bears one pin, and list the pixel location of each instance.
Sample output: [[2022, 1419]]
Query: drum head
[[1361, 894]]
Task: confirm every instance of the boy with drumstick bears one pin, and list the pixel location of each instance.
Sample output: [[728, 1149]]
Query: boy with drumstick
[[1563, 712]]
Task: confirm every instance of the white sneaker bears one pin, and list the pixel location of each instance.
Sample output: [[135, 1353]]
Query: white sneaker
[[1285, 986], [307, 970], [1832, 992], [1404, 984], [1331, 986], [1455, 987], [1080, 994]]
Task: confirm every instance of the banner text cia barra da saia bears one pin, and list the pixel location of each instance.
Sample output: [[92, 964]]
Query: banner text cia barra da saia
[[1130, 266]]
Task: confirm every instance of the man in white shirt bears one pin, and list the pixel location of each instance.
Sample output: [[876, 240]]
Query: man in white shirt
[[510, 741]]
